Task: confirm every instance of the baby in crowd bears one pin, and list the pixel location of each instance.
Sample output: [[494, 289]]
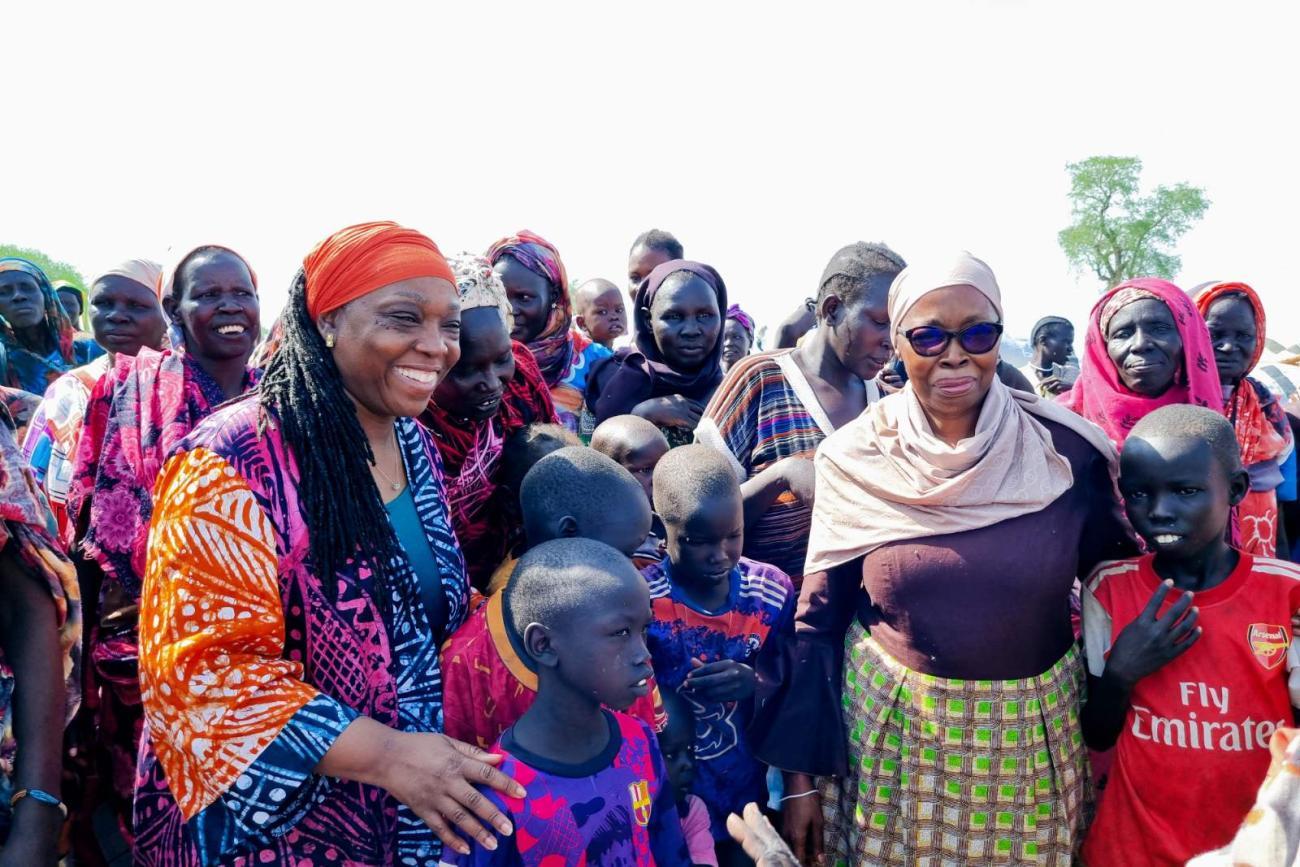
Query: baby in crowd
[[599, 311], [677, 744], [597, 789], [1191, 666]]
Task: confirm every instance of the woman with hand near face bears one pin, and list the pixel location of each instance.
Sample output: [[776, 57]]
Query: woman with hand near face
[[670, 373], [1235, 318], [125, 316], [960, 677], [136, 415], [494, 390], [302, 574]]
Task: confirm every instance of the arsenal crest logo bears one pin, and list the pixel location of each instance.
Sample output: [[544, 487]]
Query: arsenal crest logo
[[640, 792], [1269, 643]]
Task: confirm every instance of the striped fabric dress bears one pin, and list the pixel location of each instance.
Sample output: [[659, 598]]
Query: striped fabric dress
[[765, 411]]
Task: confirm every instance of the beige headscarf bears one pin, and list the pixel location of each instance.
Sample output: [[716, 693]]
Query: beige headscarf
[[143, 271], [886, 477]]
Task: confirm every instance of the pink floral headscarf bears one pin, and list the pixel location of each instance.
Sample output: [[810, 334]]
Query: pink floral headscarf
[[1100, 395]]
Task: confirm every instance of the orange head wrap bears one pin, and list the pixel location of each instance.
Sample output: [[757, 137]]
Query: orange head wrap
[[362, 258]]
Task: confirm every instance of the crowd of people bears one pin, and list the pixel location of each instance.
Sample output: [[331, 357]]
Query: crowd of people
[[462, 561]]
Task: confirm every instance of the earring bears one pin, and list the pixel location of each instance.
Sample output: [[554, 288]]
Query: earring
[[329, 341]]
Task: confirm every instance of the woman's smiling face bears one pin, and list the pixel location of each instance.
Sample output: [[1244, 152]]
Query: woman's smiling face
[[215, 301], [393, 346], [1143, 343]]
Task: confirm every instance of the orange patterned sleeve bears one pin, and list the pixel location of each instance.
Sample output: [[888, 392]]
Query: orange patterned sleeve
[[217, 690]]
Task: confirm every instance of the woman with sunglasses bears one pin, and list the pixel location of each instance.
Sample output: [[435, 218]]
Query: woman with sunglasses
[[950, 523]]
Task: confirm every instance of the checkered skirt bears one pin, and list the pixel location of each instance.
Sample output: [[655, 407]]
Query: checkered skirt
[[955, 772]]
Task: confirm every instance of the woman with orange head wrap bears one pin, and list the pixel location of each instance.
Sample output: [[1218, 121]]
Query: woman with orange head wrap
[[302, 575]]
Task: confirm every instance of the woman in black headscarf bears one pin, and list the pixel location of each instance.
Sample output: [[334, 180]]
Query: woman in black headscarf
[[676, 364]]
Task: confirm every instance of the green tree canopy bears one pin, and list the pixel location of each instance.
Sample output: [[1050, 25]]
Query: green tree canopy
[[53, 268], [1117, 232]]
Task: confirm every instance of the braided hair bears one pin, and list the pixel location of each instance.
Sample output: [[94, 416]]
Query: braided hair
[[303, 390], [848, 271]]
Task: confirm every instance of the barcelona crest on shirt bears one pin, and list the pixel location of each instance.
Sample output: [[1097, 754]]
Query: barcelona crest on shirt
[[640, 792], [1269, 643]]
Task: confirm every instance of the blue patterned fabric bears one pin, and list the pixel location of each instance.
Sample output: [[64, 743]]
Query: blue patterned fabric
[[365, 658]]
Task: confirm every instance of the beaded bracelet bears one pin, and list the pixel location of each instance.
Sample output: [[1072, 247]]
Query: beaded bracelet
[[39, 795]]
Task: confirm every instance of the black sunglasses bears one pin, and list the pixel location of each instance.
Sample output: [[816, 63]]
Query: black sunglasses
[[931, 340]]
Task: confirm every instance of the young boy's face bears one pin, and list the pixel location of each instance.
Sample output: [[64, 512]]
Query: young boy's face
[[640, 262], [706, 546], [602, 652], [641, 462], [1178, 496], [602, 314], [677, 744]]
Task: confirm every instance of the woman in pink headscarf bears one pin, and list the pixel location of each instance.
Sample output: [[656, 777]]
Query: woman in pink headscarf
[[1147, 347]]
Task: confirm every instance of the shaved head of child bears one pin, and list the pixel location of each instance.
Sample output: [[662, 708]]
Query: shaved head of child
[[637, 445], [1181, 476], [582, 610], [579, 492]]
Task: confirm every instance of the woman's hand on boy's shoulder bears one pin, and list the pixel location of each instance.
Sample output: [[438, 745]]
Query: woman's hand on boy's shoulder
[[1153, 640], [724, 680]]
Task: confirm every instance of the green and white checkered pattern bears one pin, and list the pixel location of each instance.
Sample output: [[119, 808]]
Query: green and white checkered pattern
[[957, 772]]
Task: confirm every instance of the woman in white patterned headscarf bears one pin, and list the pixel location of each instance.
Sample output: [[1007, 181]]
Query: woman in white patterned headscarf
[[494, 390]]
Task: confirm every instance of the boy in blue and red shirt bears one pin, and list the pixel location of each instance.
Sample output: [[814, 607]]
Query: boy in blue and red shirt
[[1190, 662], [597, 790], [715, 613]]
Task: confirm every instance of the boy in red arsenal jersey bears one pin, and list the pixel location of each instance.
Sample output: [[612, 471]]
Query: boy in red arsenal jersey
[[1190, 663]]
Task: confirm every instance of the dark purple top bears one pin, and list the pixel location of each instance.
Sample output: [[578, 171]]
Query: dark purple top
[[986, 604]]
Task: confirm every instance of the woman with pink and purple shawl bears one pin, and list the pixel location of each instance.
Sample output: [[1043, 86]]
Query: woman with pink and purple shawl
[[138, 413]]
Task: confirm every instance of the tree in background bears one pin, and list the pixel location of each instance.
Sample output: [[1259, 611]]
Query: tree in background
[[53, 269], [1117, 232]]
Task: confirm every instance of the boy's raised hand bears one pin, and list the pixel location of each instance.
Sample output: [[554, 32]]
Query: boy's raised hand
[[1153, 640], [724, 680]]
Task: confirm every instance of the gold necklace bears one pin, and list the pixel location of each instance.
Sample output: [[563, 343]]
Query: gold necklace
[[395, 485]]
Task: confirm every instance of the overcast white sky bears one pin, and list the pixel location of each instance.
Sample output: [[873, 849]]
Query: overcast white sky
[[764, 135]]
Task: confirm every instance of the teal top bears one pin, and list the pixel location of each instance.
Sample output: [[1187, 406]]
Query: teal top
[[410, 533]]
